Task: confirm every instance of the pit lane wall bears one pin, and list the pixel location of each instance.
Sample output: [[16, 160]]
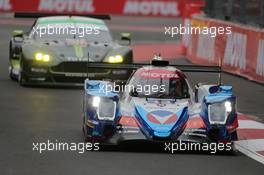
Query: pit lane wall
[[241, 52], [173, 8]]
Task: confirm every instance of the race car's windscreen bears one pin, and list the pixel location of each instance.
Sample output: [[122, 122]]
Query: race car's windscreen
[[71, 31], [166, 88]]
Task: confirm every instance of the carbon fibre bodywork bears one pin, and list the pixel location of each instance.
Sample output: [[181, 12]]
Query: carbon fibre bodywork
[[68, 56], [208, 115]]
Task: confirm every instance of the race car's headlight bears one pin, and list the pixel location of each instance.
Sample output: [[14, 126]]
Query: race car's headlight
[[218, 112], [40, 57], [105, 107], [115, 59], [228, 106], [96, 102]]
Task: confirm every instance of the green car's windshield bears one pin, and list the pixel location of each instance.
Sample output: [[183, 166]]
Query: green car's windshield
[[63, 32]]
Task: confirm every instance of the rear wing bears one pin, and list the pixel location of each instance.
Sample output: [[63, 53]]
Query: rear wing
[[134, 66], [183, 68], [38, 15]]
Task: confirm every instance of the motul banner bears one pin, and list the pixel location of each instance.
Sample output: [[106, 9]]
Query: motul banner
[[121, 7], [241, 51]]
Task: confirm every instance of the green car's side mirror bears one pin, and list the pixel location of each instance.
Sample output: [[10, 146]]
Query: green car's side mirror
[[126, 37], [17, 33]]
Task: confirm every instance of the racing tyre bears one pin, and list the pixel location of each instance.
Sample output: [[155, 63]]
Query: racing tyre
[[22, 79], [84, 132], [11, 75], [234, 135], [85, 135], [10, 69], [233, 138]]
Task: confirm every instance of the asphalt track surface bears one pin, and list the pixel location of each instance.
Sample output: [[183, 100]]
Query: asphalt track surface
[[39, 114]]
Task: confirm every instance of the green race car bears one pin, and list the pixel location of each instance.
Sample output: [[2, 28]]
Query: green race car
[[58, 49]]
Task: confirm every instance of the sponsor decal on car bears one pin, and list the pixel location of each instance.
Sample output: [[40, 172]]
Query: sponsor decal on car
[[162, 117], [166, 74]]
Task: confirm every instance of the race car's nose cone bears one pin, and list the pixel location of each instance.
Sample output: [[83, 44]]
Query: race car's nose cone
[[161, 117], [160, 122]]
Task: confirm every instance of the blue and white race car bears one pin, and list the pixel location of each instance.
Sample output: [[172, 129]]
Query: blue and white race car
[[158, 104]]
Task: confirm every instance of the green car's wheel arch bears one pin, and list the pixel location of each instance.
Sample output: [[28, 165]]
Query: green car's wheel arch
[[10, 69]]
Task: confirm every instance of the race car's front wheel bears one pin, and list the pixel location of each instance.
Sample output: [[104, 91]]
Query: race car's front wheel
[[234, 136], [21, 78], [10, 71], [86, 139]]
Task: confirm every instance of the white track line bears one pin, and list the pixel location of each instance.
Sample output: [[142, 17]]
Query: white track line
[[246, 148], [250, 124], [250, 147]]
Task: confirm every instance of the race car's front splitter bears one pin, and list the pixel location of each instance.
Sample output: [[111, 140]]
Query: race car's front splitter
[[134, 134], [66, 73]]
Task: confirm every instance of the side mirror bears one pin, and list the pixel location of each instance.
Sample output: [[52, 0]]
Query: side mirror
[[126, 37], [17, 33]]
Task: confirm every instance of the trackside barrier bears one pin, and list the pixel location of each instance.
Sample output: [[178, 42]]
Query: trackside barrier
[[173, 8], [241, 52]]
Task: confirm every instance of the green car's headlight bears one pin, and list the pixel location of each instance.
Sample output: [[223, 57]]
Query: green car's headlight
[[115, 59], [40, 57]]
